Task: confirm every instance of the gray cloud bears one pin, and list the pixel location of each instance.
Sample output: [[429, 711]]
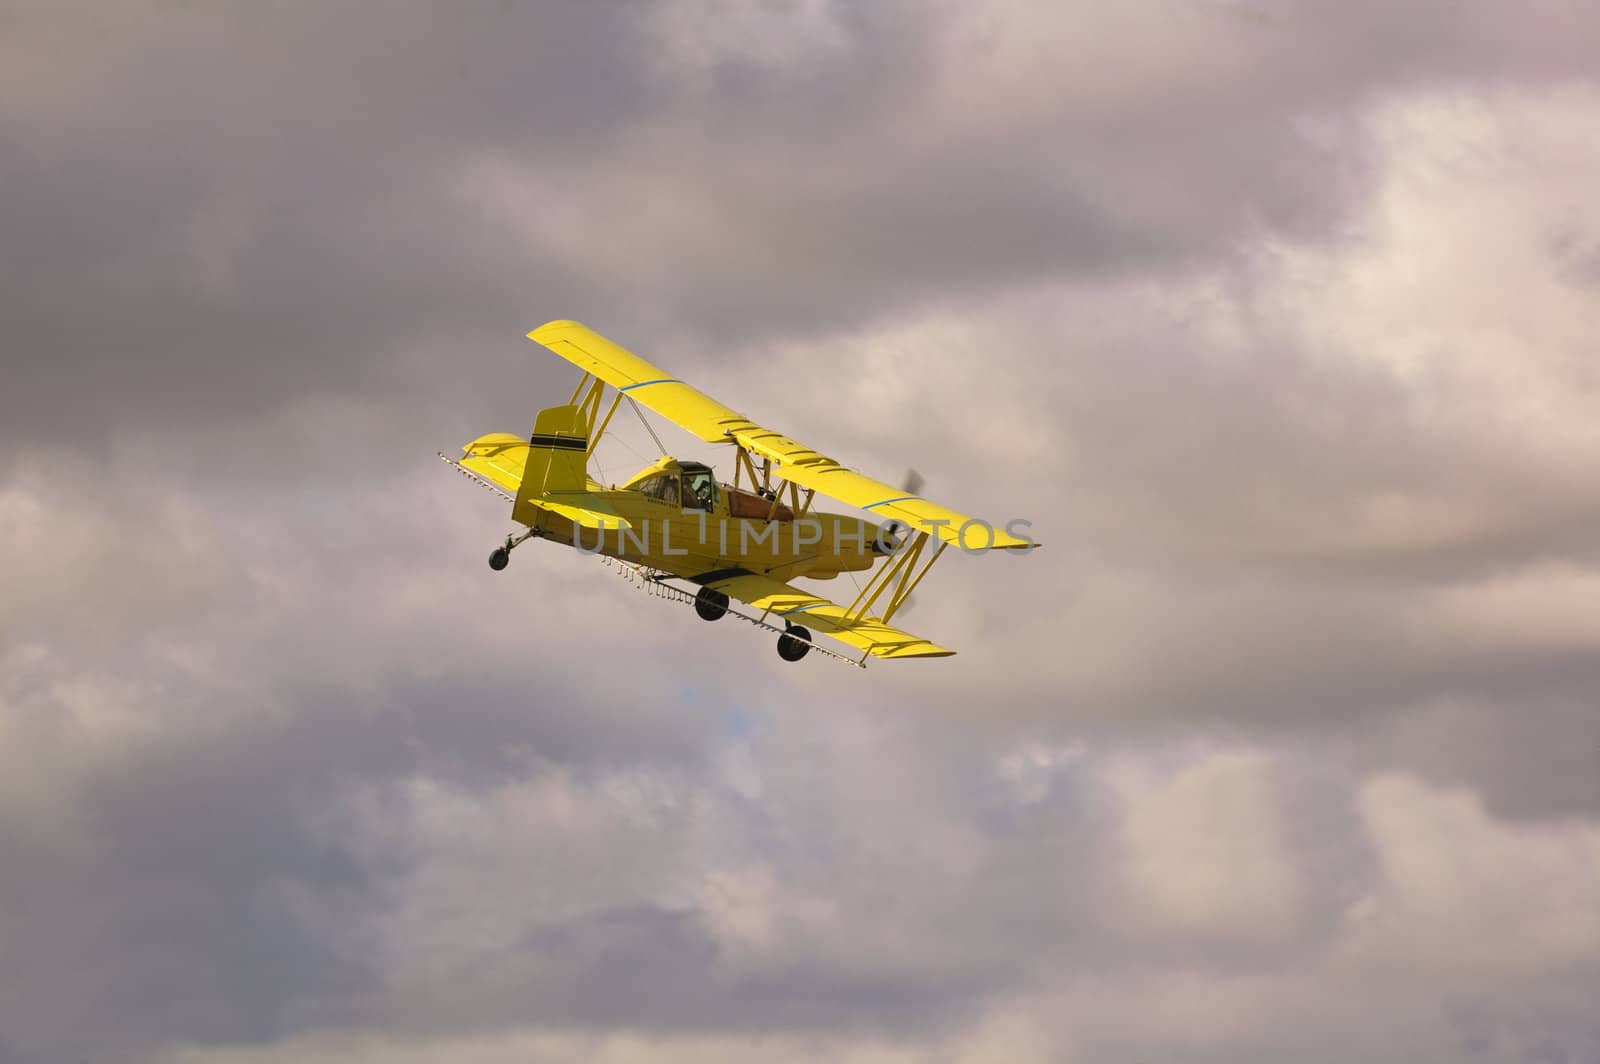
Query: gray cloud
[[1282, 742], [230, 207]]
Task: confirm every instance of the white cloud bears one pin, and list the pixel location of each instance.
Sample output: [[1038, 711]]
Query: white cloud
[[1453, 280], [1206, 853], [1465, 898]]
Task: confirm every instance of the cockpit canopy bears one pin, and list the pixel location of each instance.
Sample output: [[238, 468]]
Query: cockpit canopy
[[690, 485]]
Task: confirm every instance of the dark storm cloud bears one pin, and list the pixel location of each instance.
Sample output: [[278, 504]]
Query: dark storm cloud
[[1531, 754], [210, 862], [658, 969], [196, 877], [252, 205], [684, 969], [192, 723], [212, 209]]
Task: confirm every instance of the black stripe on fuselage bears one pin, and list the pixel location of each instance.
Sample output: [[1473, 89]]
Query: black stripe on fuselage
[[720, 574], [560, 443]]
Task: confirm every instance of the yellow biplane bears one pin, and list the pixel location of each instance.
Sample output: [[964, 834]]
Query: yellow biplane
[[678, 530]]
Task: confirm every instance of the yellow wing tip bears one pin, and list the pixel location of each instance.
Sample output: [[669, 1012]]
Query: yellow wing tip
[[913, 650], [974, 544], [557, 326]]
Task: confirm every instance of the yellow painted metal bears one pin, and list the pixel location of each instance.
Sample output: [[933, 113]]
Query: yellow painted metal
[[899, 572], [690, 544], [742, 464], [652, 387], [498, 457], [713, 422], [582, 383], [777, 599], [870, 594], [591, 404], [665, 533], [587, 510], [595, 436], [901, 584], [900, 596], [746, 558], [553, 468]]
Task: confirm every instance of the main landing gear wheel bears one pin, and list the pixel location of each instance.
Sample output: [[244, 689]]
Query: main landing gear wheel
[[710, 604], [794, 644]]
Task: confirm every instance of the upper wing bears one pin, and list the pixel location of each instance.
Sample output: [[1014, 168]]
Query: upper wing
[[715, 423], [789, 602], [639, 380]]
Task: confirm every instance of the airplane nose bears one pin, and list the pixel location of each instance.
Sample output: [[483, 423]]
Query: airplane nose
[[891, 537]]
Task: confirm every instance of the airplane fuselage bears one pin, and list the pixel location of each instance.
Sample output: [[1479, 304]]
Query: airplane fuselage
[[665, 534]]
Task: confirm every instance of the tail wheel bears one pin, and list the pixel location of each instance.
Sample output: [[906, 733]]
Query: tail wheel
[[500, 557], [794, 644], [710, 604]]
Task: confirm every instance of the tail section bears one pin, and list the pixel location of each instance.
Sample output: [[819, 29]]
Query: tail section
[[556, 457]]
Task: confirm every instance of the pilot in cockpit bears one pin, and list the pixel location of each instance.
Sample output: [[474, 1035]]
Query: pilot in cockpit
[[699, 490]]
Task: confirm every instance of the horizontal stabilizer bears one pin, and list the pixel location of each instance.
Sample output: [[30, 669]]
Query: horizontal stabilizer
[[584, 510], [499, 461]]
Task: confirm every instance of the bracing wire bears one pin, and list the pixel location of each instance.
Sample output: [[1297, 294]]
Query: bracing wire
[[631, 449]]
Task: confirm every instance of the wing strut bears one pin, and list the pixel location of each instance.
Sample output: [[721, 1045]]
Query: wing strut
[[587, 397], [594, 437], [902, 573]]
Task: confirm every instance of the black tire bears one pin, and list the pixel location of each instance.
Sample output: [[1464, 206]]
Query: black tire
[[710, 604], [499, 558], [794, 644]]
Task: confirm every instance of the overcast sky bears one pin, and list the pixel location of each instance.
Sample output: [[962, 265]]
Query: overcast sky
[[1277, 319]]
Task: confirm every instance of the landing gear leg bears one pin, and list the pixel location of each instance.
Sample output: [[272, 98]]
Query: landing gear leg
[[500, 557], [794, 644]]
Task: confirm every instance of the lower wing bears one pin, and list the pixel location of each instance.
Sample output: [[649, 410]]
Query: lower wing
[[779, 600]]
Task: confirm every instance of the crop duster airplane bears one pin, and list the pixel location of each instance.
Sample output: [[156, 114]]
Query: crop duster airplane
[[679, 531]]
